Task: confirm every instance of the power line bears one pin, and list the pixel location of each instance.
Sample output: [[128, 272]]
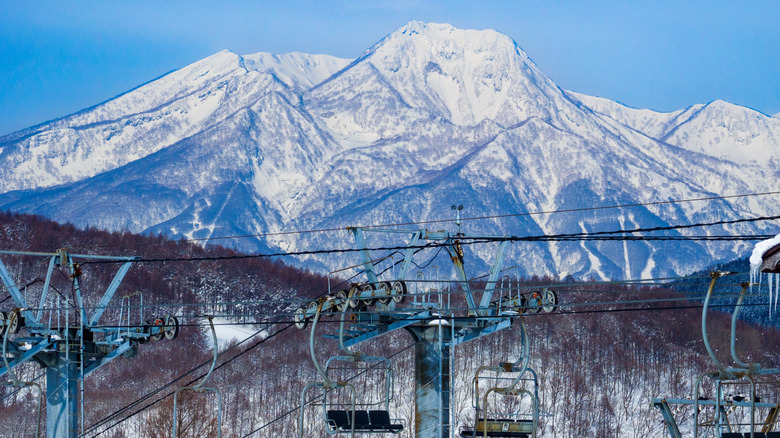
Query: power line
[[475, 218], [463, 241], [148, 396]]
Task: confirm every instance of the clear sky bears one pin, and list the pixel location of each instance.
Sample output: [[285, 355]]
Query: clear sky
[[58, 56]]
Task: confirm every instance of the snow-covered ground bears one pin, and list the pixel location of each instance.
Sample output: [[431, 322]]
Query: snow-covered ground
[[229, 332]]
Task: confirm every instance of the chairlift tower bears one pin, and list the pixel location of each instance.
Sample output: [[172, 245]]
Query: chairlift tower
[[67, 339], [738, 373], [426, 316]]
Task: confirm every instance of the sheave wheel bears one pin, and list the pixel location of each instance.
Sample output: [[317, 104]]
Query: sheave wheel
[[16, 323], [3, 318], [550, 300], [341, 300], [312, 309], [300, 318], [171, 330], [534, 302], [399, 291], [160, 324], [353, 302], [367, 291], [385, 292]]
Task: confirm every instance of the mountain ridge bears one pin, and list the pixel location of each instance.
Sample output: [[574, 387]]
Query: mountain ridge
[[429, 116]]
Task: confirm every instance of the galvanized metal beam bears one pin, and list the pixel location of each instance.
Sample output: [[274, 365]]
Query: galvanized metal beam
[[432, 381], [495, 270], [46, 284], [368, 264], [62, 392], [100, 361], [101, 307], [16, 295], [382, 329], [671, 424], [27, 355], [478, 333], [409, 254]]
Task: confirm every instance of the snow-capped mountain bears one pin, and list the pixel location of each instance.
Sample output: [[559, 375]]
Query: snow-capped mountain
[[428, 117]]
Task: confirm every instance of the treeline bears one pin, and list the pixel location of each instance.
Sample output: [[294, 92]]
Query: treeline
[[599, 365]]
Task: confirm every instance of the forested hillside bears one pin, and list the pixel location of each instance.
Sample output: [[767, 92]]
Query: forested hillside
[[599, 365]]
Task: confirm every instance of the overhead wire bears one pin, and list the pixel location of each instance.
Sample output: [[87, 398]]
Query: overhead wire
[[475, 218], [462, 240], [255, 345], [667, 282], [582, 236]]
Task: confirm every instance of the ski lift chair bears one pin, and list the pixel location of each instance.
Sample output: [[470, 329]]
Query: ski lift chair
[[365, 420], [351, 421], [201, 388], [733, 375], [503, 425]]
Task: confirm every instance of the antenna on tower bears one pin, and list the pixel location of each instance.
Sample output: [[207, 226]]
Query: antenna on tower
[[458, 209]]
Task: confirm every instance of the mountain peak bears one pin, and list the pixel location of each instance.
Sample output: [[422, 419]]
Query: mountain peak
[[466, 75], [468, 38]]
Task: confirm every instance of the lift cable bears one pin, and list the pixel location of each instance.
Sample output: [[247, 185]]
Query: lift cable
[[475, 218], [160, 389], [464, 241], [282, 416], [450, 310], [666, 282], [148, 396], [137, 402]]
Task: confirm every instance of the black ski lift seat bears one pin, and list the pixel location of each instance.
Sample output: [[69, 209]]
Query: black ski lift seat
[[365, 422], [504, 428], [747, 435]]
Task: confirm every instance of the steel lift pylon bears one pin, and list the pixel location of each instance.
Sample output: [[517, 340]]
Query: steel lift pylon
[[68, 341], [741, 373], [435, 333]]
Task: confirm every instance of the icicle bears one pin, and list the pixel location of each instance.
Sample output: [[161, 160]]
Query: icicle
[[777, 288], [756, 259], [771, 289]]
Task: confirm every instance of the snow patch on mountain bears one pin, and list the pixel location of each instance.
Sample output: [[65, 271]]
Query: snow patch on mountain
[[730, 132], [652, 123], [428, 117], [299, 70]]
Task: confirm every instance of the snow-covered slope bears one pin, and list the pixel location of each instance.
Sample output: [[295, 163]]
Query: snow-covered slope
[[152, 117], [429, 116], [652, 123], [720, 129]]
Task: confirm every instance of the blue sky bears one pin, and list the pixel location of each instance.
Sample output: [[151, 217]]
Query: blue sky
[[57, 57]]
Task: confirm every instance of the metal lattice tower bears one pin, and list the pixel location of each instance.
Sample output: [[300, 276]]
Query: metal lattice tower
[[435, 330], [68, 341]]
